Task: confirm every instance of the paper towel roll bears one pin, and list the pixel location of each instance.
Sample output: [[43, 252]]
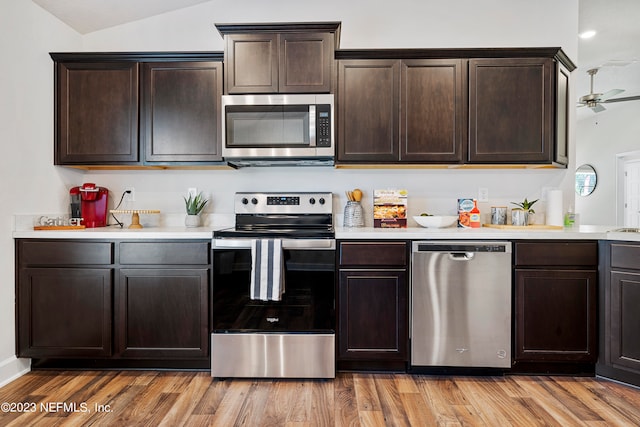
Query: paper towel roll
[[554, 208]]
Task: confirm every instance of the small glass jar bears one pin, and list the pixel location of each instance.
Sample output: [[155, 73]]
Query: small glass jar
[[353, 215]]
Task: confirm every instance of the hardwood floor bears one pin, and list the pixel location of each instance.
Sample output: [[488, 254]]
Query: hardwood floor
[[128, 398]]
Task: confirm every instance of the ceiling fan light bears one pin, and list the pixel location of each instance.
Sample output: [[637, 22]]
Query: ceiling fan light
[[587, 34]]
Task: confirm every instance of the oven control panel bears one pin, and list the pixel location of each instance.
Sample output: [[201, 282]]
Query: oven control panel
[[298, 203]]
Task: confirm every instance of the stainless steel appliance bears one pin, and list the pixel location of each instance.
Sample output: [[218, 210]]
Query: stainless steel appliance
[[279, 129], [293, 337], [461, 304]]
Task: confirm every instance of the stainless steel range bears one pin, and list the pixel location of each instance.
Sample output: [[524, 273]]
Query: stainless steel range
[[273, 299]]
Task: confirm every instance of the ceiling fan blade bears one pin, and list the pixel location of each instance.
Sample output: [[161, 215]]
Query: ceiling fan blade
[[597, 108], [627, 98], [609, 94]]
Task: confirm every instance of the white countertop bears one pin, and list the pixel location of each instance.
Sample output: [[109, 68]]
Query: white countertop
[[118, 233], [417, 233], [411, 233]]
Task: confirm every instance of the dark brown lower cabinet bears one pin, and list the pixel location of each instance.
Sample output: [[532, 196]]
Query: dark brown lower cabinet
[[373, 306], [555, 315], [162, 313], [64, 312], [124, 304], [619, 312], [555, 307]]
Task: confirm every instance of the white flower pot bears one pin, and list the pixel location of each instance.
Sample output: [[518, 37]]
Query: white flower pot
[[192, 221]]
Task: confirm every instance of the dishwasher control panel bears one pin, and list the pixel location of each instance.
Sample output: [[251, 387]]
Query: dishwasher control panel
[[461, 247]]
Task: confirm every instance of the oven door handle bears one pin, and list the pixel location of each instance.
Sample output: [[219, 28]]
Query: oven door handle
[[286, 244]]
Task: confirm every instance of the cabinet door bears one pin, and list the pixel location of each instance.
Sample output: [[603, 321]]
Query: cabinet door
[[305, 62], [368, 109], [511, 110], [251, 63], [373, 315], [162, 313], [563, 104], [181, 111], [624, 316], [555, 315], [64, 312], [431, 113], [96, 113]]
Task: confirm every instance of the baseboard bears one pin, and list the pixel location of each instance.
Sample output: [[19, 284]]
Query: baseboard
[[13, 368]]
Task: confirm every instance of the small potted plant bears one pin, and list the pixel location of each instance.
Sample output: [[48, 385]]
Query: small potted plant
[[520, 215], [194, 206]]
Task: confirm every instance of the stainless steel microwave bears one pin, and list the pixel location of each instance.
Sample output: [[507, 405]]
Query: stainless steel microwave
[[279, 129]]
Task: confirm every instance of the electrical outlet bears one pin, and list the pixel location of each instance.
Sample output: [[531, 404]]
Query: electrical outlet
[[483, 194], [193, 192], [131, 196]]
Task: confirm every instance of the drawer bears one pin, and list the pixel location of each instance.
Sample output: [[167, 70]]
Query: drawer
[[376, 254], [56, 252], [165, 253], [625, 256], [574, 253]]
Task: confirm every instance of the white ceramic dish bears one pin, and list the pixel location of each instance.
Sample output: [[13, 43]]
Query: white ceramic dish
[[436, 221]]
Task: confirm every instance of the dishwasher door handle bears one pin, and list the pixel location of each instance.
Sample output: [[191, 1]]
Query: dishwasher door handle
[[461, 256]]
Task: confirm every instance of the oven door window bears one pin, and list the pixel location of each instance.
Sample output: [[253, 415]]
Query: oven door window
[[307, 305], [267, 126]]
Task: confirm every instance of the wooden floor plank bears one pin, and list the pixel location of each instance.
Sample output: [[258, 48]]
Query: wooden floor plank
[[298, 396], [346, 406], [390, 400], [366, 394], [323, 404], [433, 388], [187, 401], [552, 404], [418, 410], [606, 405], [489, 413], [352, 399], [233, 400]]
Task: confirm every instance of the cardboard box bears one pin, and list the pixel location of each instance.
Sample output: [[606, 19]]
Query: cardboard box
[[464, 212], [390, 208]]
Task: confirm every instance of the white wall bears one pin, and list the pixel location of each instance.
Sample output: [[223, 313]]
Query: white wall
[[32, 185], [28, 180], [365, 24], [601, 138]]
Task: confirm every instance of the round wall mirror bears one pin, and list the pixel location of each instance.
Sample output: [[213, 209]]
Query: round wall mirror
[[586, 179]]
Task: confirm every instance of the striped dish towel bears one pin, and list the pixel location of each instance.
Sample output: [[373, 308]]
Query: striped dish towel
[[267, 270]]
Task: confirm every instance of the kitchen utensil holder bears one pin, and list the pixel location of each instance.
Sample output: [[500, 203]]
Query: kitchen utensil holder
[[353, 215]]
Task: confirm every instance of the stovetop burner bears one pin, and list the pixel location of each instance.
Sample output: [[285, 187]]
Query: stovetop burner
[[282, 215]]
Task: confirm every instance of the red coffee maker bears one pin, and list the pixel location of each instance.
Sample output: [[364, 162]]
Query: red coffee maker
[[93, 204]]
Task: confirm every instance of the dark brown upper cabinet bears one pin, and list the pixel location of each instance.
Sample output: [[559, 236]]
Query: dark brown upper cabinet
[[96, 112], [279, 58], [368, 109], [453, 106], [511, 106], [137, 109], [401, 111], [180, 119]]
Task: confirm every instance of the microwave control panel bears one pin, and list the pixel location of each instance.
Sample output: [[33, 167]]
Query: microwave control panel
[[323, 125]]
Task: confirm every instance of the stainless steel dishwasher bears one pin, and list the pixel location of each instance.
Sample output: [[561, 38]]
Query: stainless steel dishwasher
[[461, 304]]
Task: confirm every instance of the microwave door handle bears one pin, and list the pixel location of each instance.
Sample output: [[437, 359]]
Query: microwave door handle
[[312, 125]]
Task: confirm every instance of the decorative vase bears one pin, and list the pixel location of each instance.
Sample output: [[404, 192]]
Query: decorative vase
[[192, 220], [353, 215], [519, 217]]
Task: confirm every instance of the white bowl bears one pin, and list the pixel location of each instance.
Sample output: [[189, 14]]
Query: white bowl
[[436, 221]]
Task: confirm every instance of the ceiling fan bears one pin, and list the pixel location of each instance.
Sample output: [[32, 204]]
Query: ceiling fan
[[595, 100]]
